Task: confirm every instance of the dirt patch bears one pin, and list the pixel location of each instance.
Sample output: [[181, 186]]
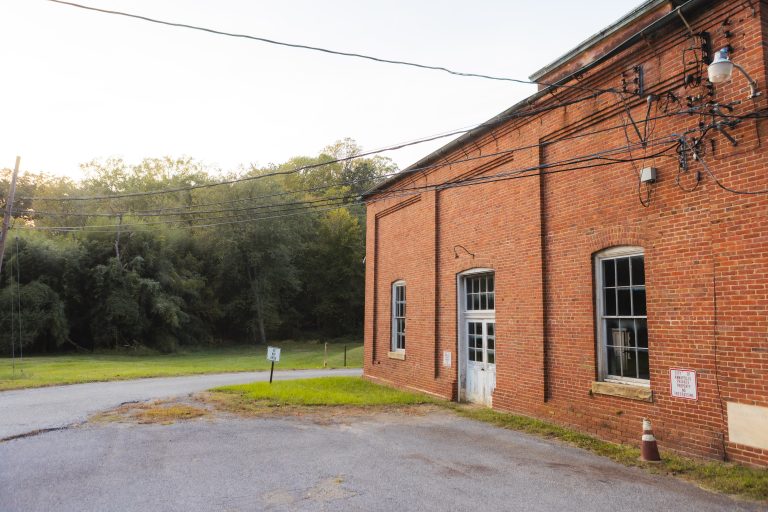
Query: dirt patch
[[324, 415], [164, 412]]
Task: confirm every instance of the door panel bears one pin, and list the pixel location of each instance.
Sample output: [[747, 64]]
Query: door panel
[[481, 359]]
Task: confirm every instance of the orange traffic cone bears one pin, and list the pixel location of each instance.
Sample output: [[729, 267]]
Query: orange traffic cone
[[649, 452]]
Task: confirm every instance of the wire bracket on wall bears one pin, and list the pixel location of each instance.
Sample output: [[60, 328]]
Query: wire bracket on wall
[[456, 254], [632, 82]]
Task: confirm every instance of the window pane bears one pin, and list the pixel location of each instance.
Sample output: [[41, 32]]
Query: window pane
[[614, 363], [609, 277], [638, 270], [622, 272], [490, 283], [630, 363], [628, 332], [610, 302], [625, 304], [491, 357], [612, 331], [644, 368], [638, 301], [491, 327], [483, 301], [641, 328], [492, 300], [482, 284]]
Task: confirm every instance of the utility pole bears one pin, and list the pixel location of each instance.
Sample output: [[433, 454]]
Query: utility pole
[[8, 211]]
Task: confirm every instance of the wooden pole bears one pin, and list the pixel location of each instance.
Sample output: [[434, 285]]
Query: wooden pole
[[325, 356], [8, 211]]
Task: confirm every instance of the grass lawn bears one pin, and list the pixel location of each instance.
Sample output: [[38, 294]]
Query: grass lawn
[[51, 370], [323, 391]]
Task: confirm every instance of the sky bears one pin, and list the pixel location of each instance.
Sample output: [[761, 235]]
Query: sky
[[78, 85]]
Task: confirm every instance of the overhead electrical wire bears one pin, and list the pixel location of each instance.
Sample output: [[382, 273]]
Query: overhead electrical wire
[[189, 211], [354, 157], [323, 50], [506, 175], [513, 115]]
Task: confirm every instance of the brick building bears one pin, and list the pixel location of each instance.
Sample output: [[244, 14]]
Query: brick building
[[535, 265]]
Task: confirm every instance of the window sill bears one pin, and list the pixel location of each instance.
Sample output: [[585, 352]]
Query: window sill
[[633, 392], [400, 354]]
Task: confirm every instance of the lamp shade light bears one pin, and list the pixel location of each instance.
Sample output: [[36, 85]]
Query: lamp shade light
[[721, 68]]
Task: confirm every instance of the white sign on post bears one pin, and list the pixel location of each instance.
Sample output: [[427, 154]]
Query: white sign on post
[[683, 383], [273, 354]]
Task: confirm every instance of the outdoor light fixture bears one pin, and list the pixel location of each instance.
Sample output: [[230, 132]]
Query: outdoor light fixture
[[721, 70]]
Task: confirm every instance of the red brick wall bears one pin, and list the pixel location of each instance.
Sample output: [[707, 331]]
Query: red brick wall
[[706, 252]]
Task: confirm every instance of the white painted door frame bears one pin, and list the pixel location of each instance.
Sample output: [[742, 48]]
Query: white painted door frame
[[462, 317]]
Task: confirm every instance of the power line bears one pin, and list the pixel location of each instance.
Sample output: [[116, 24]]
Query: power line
[[323, 50], [593, 156], [721, 185], [513, 115], [507, 175]]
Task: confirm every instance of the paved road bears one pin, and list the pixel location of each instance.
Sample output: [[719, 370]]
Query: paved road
[[402, 462], [28, 410]]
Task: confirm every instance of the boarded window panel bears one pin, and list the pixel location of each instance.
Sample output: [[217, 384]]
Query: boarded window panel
[[638, 270]]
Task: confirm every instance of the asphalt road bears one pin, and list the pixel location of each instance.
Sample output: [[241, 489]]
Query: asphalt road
[[388, 462], [27, 410]]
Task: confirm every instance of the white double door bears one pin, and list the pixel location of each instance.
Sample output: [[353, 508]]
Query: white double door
[[480, 353]]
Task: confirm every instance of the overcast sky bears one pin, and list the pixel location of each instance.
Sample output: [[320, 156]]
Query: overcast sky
[[79, 85]]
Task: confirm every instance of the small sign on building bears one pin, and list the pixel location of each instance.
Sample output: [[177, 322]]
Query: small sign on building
[[447, 358], [683, 383], [273, 354]]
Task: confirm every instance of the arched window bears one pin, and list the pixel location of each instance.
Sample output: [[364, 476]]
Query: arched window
[[398, 316], [621, 315]]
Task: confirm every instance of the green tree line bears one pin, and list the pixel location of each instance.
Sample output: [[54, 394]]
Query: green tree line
[[269, 257]]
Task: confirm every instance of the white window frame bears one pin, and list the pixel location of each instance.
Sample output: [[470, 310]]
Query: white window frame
[[602, 348], [394, 342]]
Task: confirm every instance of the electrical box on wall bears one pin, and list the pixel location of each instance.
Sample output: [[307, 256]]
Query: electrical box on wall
[[648, 175]]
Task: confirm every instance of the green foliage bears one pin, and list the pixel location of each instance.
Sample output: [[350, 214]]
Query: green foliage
[[42, 320], [268, 267]]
